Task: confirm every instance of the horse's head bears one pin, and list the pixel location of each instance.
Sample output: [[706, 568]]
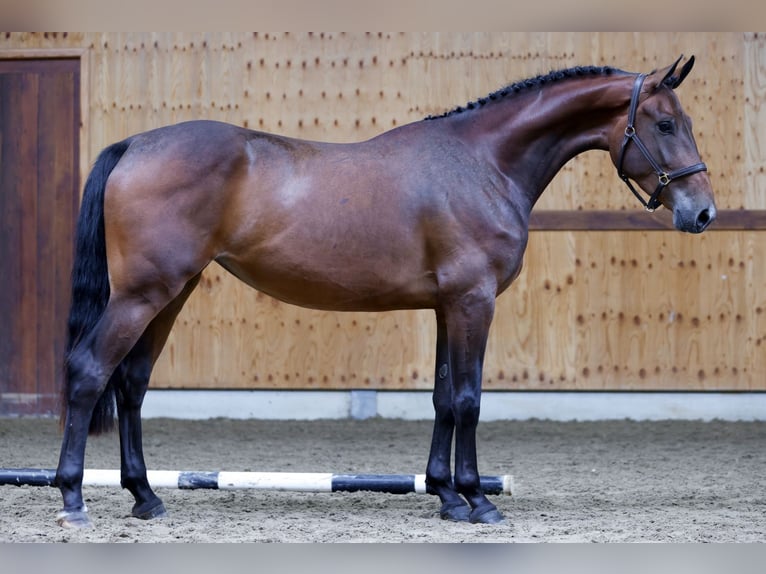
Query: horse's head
[[655, 147]]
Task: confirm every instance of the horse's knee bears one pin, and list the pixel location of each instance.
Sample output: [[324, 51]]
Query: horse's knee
[[443, 414], [465, 409]]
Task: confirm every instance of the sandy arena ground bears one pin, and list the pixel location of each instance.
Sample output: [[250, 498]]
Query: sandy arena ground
[[614, 481]]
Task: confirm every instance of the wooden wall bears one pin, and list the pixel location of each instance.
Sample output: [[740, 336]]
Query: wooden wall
[[631, 309]]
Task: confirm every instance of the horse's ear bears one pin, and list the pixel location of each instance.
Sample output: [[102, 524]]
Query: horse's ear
[[672, 81], [687, 67]]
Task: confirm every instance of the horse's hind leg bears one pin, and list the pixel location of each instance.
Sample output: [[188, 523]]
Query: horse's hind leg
[[90, 365], [132, 382]]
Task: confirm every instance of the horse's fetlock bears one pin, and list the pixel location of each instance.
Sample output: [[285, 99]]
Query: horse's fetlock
[[468, 484], [438, 477], [66, 480]]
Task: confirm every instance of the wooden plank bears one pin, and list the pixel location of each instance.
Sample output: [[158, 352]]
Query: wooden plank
[[8, 294], [638, 220], [27, 223], [50, 111], [29, 54], [754, 120], [58, 192]]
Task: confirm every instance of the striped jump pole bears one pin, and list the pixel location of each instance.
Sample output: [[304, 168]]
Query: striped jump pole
[[285, 481]]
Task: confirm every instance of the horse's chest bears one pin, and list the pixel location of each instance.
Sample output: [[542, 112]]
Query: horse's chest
[[506, 256]]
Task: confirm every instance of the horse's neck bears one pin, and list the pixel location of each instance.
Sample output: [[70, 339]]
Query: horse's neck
[[531, 136]]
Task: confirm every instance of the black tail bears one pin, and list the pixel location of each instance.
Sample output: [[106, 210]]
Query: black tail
[[90, 278]]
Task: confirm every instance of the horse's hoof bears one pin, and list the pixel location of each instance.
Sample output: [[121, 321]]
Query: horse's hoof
[[154, 509], [486, 515], [75, 519], [457, 512]]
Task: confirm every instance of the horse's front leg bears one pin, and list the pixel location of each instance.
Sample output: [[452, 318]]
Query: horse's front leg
[[468, 320], [439, 472]]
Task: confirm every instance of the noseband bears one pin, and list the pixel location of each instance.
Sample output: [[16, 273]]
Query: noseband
[[663, 176]]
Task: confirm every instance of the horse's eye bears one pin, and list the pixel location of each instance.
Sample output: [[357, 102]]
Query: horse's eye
[[666, 127]]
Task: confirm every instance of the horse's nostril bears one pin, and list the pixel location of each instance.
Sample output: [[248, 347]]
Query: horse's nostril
[[704, 218]]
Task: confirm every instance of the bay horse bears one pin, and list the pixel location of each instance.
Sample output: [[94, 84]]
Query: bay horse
[[429, 215]]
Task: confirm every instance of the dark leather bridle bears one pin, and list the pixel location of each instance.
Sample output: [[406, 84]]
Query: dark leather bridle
[[631, 136]]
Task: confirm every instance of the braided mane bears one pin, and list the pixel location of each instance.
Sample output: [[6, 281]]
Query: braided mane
[[531, 83]]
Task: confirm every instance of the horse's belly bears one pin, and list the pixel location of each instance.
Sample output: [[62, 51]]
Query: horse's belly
[[346, 288]]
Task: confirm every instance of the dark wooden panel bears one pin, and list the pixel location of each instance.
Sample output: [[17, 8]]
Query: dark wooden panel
[[39, 181], [9, 292], [639, 220], [19, 126]]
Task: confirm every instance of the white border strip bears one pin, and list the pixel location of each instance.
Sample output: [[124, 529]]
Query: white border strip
[[297, 481], [416, 405]]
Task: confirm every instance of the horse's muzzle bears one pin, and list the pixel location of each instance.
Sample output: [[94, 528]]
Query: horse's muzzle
[[696, 221]]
